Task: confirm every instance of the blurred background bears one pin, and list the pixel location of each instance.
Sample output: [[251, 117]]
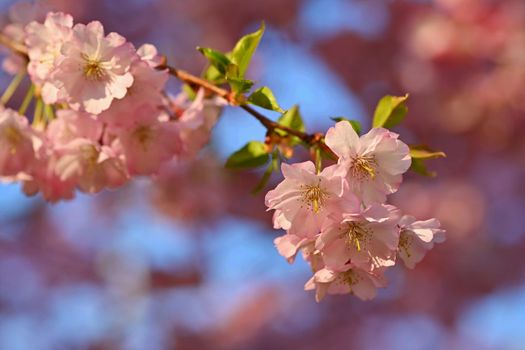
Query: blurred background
[[186, 261]]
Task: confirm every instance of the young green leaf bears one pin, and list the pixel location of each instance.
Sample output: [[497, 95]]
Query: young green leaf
[[263, 97], [212, 74], [421, 153], [243, 51], [292, 119], [355, 124], [189, 92], [424, 152], [274, 164], [418, 166], [217, 59], [252, 155], [390, 111], [240, 86]]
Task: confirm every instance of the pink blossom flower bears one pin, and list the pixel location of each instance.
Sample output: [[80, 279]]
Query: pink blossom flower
[[70, 125], [46, 181], [149, 54], [94, 69], [148, 142], [288, 245], [16, 143], [147, 89], [374, 162], [92, 166], [44, 42], [195, 119], [367, 238], [304, 198], [416, 238], [20, 14], [344, 281]]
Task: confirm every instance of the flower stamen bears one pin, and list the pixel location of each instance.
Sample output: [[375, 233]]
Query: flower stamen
[[14, 137], [314, 196], [363, 167], [357, 236], [94, 69]]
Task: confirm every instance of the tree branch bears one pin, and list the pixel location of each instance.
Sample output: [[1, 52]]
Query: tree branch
[[14, 46], [270, 125]]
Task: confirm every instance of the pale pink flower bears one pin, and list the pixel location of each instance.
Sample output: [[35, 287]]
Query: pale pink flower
[[16, 143], [149, 54], [195, 120], [93, 70], [20, 14], [288, 245], [374, 162], [348, 280], [304, 198], [147, 88], [92, 166], [70, 125], [46, 181], [367, 238], [44, 42], [416, 238], [148, 142]]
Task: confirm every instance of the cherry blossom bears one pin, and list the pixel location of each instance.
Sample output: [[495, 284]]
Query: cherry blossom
[[93, 70], [346, 280], [195, 120], [147, 88], [16, 143], [91, 166], [416, 238], [304, 198], [374, 162], [368, 238], [20, 14], [148, 142], [44, 42]]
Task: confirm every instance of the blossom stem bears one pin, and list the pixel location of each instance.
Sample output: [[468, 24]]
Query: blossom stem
[[318, 159], [14, 46], [37, 117], [12, 87], [27, 100], [49, 114], [270, 125]]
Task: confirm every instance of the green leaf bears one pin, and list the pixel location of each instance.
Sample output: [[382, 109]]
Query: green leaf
[[421, 153], [263, 97], [355, 124], [274, 164], [252, 155], [217, 59], [189, 91], [292, 119], [243, 51], [240, 86], [390, 111], [424, 152], [418, 166], [212, 74]]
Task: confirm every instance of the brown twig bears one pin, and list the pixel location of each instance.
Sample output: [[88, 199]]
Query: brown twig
[[270, 125], [14, 46]]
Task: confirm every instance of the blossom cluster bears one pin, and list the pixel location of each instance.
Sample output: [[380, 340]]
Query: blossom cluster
[[338, 217], [101, 113]]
